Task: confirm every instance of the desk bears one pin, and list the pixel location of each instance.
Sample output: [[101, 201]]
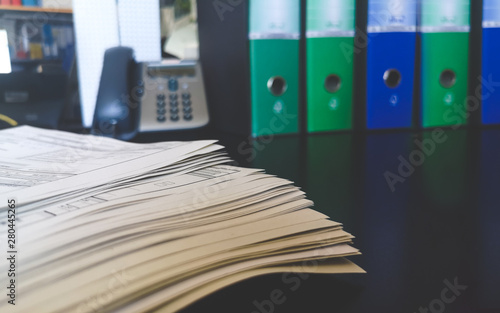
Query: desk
[[440, 222]]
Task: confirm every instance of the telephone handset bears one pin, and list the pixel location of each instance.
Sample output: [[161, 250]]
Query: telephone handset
[[144, 97]]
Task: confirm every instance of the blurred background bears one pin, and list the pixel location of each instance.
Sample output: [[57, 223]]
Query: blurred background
[[253, 67], [386, 112]]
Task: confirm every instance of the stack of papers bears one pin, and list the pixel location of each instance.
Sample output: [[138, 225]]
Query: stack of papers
[[103, 225]]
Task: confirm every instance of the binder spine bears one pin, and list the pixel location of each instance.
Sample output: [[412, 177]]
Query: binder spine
[[330, 31], [31, 3], [274, 35], [491, 62], [444, 27], [390, 67], [224, 56]]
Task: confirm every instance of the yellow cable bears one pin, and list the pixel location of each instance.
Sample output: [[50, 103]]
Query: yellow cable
[[8, 120]]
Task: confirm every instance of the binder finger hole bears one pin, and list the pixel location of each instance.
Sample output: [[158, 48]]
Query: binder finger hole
[[448, 78], [277, 85], [392, 78], [333, 83]]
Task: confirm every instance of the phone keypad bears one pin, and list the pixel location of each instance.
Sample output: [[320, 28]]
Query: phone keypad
[[187, 108], [174, 110], [174, 107], [161, 106], [173, 101]]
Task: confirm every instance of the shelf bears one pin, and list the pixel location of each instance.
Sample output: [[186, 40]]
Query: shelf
[[34, 9]]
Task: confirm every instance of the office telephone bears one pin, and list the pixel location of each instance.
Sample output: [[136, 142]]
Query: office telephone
[[146, 97]]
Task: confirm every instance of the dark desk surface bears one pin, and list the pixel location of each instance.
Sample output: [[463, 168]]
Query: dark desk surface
[[439, 223]]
